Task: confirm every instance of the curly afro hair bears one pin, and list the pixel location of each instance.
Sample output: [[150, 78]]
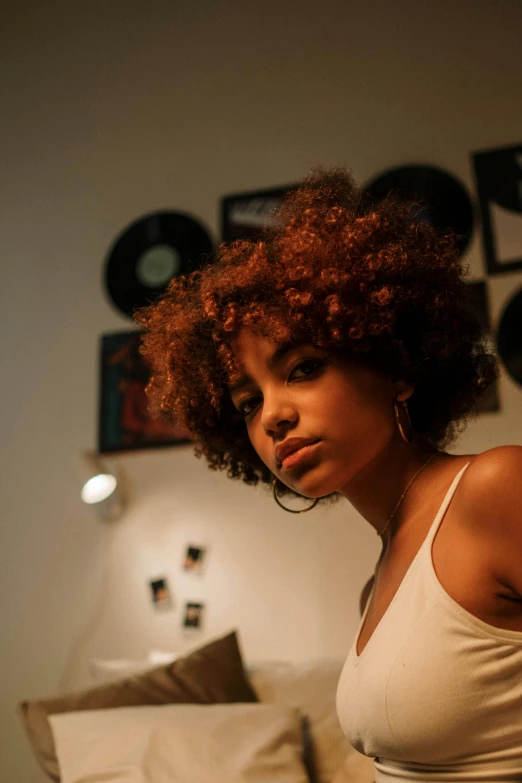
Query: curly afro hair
[[356, 277]]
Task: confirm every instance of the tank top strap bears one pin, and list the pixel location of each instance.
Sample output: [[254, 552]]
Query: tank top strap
[[443, 507]]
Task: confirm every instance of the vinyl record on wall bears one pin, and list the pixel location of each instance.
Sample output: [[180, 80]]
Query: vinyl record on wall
[[498, 174], [447, 204], [509, 337], [149, 253]]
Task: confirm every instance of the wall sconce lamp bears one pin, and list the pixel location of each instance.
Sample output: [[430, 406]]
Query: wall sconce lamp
[[102, 488]]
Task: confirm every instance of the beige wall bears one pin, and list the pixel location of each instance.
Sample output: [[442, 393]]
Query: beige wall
[[118, 109]]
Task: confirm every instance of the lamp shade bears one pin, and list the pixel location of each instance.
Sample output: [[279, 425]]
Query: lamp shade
[[101, 489]]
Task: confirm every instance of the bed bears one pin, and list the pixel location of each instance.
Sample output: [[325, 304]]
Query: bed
[[205, 716]]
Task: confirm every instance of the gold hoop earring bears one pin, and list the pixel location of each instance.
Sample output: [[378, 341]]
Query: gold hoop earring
[[290, 510], [397, 418]]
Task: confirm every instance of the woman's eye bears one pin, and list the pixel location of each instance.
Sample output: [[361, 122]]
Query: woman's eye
[[308, 367], [244, 408]]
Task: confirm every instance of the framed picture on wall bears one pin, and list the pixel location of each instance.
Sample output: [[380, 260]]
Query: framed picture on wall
[[244, 215], [124, 421]]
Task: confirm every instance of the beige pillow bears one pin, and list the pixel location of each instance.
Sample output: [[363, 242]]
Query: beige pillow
[[209, 675], [311, 687], [104, 670], [181, 743], [356, 768]]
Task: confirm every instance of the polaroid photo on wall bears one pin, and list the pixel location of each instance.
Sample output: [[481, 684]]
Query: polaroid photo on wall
[[160, 593], [193, 615], [194, 558]]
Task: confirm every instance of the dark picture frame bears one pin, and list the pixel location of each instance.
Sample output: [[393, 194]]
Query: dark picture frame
[[244, 215], [124, 423]]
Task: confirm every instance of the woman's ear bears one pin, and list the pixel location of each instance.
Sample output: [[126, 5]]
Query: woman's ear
[[402, 390]]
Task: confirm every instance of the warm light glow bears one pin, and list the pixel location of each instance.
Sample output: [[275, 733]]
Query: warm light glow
[[98, 488]]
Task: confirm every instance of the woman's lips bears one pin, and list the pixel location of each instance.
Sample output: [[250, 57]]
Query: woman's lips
[[299, 456]]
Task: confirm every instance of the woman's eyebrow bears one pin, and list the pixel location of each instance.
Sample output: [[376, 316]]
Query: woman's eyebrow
[[277, 356]]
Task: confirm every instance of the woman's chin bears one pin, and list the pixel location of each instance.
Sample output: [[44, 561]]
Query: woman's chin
[[314, 487]]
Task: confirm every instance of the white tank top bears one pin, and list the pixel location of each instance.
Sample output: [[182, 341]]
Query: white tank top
[[436, 694]]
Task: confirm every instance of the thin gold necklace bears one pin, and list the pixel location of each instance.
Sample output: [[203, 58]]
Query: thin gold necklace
[[402, 496]]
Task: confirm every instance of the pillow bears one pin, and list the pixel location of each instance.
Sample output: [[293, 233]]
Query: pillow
[[155, 657], [311, 687], [211, 674], [356, 768], [104, 670], [182, 743], [107, 670]]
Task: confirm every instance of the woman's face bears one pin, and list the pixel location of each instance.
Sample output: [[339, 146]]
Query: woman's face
[[305, 392]]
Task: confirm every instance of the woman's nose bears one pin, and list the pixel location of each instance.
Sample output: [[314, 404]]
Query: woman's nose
[[276, 416]]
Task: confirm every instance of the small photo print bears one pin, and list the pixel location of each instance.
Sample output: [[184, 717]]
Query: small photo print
[[161, 597], [193, 615], [194, 559]]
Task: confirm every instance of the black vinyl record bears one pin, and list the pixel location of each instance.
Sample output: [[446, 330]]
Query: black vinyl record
[[447, 204], [509, 344], [149, 253]]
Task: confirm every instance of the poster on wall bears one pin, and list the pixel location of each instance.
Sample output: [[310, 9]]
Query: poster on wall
[[124, 421], [478, 293], [244, 215]]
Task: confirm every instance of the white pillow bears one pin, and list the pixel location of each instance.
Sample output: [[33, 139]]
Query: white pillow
[[181, 743], [105, 670], [108, 670], [159, 657], [311, 688]]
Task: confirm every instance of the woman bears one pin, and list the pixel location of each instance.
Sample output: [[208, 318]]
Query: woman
[[338, 357]]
